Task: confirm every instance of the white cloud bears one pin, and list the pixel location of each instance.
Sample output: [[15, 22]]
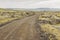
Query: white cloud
[[21, 0], [30, 4]]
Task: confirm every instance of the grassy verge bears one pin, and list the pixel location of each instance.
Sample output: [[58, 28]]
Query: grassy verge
[[49, 22], [9, 15]]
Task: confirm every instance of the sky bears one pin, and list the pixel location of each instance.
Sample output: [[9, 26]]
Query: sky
[[29, 3]]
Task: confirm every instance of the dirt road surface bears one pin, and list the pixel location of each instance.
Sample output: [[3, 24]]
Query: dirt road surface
[[24, 29]]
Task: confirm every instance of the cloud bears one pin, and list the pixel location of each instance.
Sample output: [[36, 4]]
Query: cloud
[[30, 4], [21, 0], [46, 4]]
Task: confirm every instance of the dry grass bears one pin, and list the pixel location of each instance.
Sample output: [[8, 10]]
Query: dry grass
[[7, 15], [50, 29], [50, 23]]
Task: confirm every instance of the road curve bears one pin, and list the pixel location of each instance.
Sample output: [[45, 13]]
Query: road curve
[[24, 29]]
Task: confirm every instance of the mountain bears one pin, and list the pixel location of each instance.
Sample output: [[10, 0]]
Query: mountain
[[46, 9], [35, 9]]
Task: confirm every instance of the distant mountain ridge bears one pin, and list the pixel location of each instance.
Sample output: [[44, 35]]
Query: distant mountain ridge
[[35, 9], [47, 9]]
